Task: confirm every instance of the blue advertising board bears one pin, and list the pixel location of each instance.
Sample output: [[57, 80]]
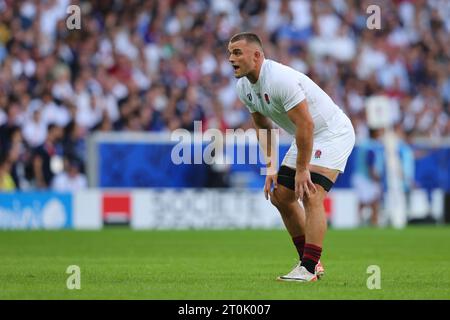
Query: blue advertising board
[[129, 164], [36, 210]]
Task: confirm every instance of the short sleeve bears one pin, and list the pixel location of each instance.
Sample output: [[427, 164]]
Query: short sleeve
[[289, 92], [243, 99]]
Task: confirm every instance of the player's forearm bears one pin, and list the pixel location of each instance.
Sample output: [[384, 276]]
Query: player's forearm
[[263, 128], [266, 143], [304, 140]]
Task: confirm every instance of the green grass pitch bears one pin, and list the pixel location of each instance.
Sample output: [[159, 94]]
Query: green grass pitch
[[230, 264]]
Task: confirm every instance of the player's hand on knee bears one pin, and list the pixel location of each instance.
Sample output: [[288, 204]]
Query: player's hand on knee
[[270, 179], [303, 184]]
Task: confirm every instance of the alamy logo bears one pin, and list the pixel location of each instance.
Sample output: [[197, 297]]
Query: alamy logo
[[374, 20], [74, 20], [374, 281], [213, 147], [74, 280]]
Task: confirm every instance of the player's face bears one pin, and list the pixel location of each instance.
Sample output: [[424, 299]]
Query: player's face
[[241, 58]]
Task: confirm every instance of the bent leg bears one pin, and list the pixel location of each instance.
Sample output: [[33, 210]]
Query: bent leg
[[316, 220], [291, 211]]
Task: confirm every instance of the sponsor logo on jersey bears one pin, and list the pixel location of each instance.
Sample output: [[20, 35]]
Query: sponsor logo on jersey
[[249, 96], [266, 97]]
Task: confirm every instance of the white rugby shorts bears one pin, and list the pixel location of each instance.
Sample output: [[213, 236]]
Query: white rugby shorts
[[331, 147]]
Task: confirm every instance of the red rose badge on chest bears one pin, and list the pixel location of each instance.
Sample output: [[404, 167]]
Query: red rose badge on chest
[[317, 154]]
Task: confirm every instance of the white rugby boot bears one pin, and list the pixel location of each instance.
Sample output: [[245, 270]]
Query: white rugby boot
[[319, 270], [299, 274]]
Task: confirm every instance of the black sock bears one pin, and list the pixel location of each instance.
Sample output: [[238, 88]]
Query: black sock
[[311, 256]]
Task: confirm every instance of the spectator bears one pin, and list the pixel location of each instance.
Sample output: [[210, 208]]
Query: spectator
[[6, 181], [407, 160], [13, 113], [74, 142], [17, 155], [71, 179], [35, 129], [367, 180], [161, 65], [44, 155]]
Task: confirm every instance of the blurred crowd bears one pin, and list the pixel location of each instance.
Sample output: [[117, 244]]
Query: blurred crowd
[[139, 65]]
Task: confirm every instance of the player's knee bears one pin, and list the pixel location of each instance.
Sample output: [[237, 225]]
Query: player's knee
[[314, 200], [274, 199], [280, 200]]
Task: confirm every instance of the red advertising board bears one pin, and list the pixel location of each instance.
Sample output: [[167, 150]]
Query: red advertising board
[[116, 208]]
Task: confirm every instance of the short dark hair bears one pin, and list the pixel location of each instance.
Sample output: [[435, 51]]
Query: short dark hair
[[247, 36], [52, 126]]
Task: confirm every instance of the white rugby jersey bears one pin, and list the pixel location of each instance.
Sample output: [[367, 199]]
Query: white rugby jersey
[[280, 88]]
